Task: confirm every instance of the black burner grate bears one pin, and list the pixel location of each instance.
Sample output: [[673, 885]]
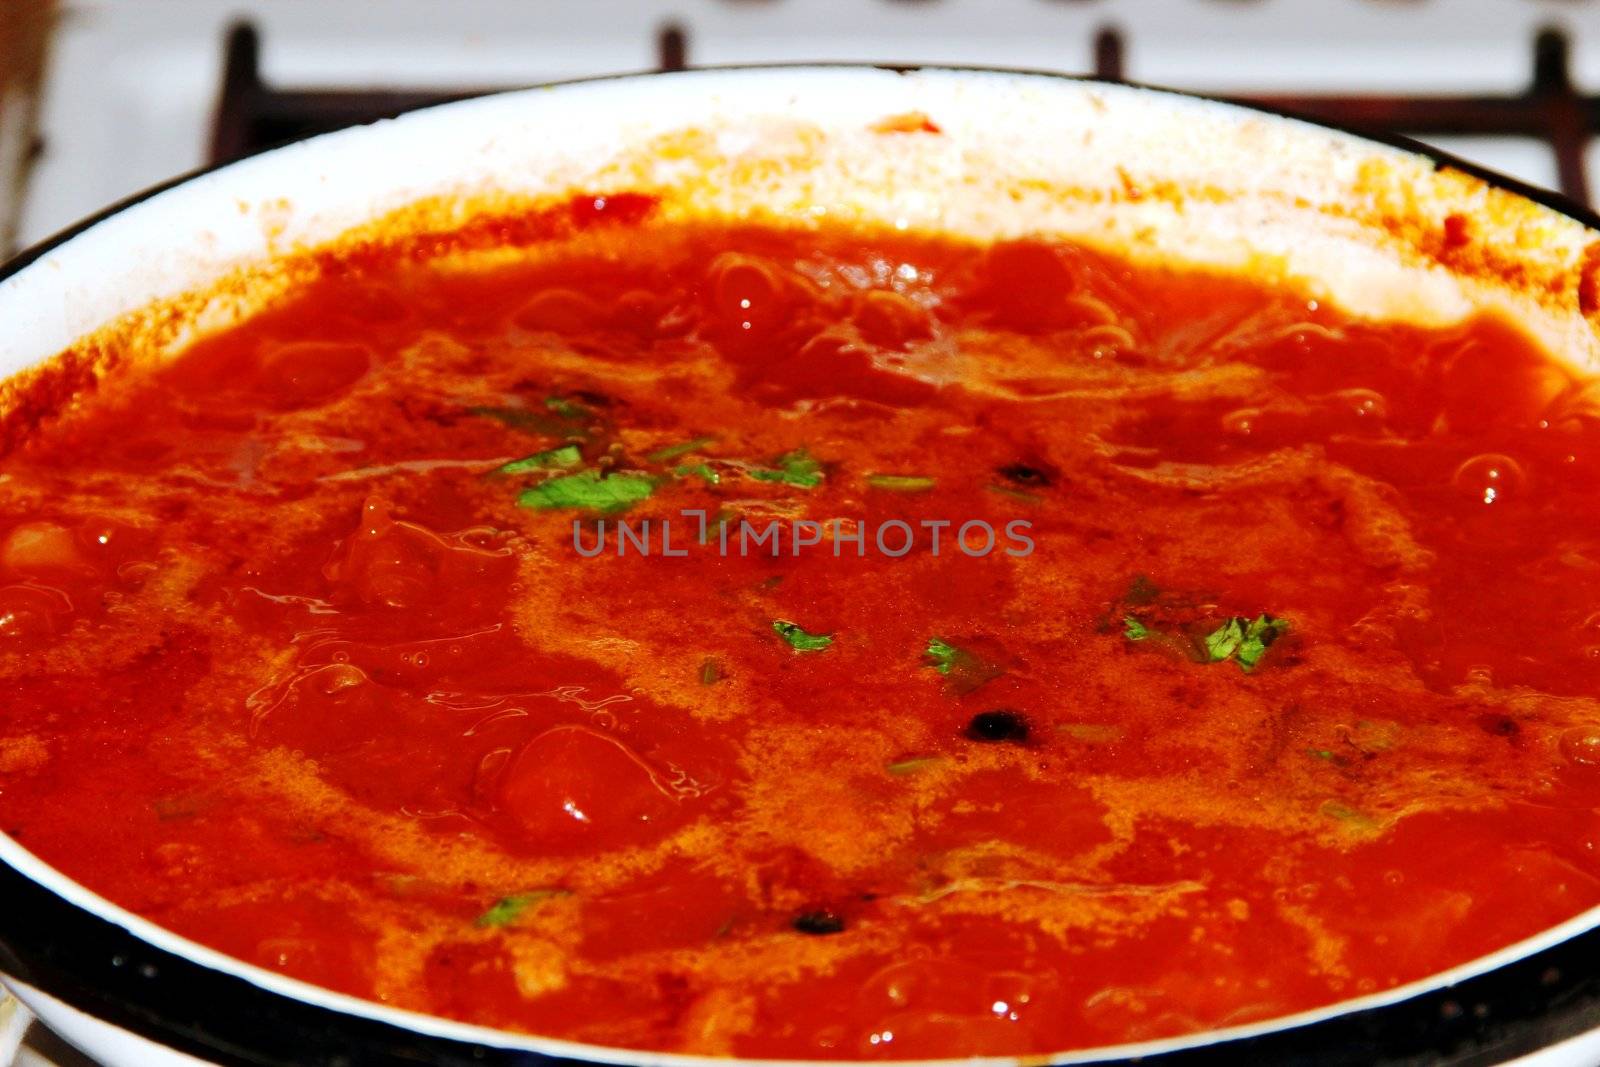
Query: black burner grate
[[252, 114]]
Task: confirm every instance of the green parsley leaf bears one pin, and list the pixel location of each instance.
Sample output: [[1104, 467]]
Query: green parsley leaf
[[1258, 637], [1133, 629], [900, 483], [700, 470], [799, 639], [792, 468], [1225, 640], [590, 490], [560, 418], [963, 670], [671, 452], [508, 910], [710, 672], [563, 458], [1245, 641], [942, 655]]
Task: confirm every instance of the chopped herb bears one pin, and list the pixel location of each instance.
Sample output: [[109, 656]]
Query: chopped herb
[[563, 458], [799, 639], [942, 655], [508, 910], [589, 489], [701, 470], [900, 483], [710, 672], [671, 452], [911, 766], [792, 468], [1319, 753], [1245, 641], [963, 670], [561, 418], [1015, 494]]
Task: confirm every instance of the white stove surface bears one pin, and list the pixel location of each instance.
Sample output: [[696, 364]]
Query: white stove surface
[[132, 84]]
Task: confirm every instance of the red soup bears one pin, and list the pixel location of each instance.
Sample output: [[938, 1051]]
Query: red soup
[[826, 644]]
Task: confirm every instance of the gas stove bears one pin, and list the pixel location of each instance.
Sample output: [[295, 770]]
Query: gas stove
[[134, 92]]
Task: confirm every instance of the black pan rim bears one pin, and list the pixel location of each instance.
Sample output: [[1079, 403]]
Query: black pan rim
[[106, 971]]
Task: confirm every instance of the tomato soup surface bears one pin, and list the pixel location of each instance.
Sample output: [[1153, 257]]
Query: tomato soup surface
[[561, 644]]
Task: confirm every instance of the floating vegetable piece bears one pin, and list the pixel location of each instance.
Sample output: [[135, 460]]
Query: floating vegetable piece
[[508, 910], [900, 483], [799, 639], [563, 458], [672, 452], [1245, 641], [589, 490], [792, 468], [964, 670]]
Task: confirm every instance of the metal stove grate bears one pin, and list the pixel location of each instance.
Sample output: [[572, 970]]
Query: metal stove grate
[[253, 114]]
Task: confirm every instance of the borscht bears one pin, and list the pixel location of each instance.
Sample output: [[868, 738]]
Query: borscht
[[819, 643]]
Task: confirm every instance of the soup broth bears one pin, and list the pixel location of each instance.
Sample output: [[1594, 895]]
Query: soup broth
[[736, 640]]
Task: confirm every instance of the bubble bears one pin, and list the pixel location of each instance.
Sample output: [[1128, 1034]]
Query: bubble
[[559, 311], [747, 292], [136, 571], [1581, 745], [1490, 478], [303, 373], [889, 320], [1241, 423], [28, 611], [1367, 405]]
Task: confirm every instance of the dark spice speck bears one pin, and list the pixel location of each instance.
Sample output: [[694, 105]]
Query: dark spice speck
[[818, 923], [1024, 474], [1002, 724]]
